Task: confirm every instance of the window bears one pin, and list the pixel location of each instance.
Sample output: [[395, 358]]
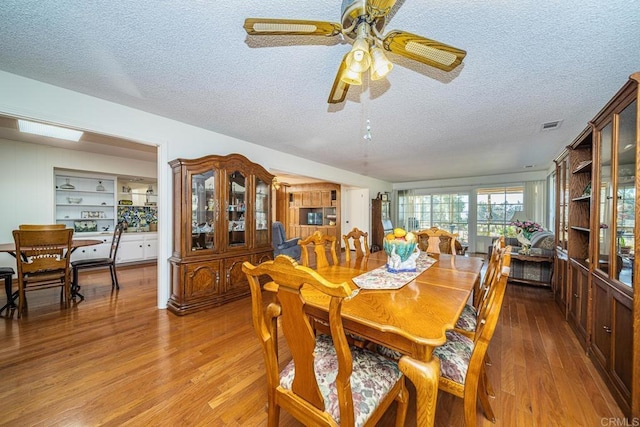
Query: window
[[496, 207], [446, 211]]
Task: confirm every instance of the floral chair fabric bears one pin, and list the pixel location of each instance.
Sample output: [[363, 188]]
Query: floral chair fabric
[[468, 319], [454, 356], [372, 378]]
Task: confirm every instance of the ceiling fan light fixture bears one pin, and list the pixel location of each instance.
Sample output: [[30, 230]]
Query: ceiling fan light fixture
[[380, 65], [351, 77], [359, 58]]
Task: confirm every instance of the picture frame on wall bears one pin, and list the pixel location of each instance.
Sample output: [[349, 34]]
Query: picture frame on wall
[[384, 197]]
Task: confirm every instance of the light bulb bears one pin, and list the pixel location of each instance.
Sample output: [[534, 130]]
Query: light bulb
[[381, 65], [358, 60], [351, 77]]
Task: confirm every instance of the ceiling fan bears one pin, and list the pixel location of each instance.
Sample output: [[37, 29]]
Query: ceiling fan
[[363, 22]]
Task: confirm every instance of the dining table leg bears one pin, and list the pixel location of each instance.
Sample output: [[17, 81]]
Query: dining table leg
[[425, 377]]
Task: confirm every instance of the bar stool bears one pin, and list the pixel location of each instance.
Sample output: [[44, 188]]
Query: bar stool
[[6, 273]]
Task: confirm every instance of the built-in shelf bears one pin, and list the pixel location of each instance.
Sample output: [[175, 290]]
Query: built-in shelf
[[585, 229], [584, 166]]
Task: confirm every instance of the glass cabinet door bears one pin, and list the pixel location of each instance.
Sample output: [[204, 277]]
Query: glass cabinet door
[[618, 195], [236, 208], [262, 213], [204, 211], [626, 193], [563, 232], [606, 199]]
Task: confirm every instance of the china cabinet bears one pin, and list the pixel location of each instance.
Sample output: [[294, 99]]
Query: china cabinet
[[615, 341], [85, 202], [221, 218], [599, 293]]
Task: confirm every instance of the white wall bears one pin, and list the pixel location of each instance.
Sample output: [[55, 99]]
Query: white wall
[[26, 98]]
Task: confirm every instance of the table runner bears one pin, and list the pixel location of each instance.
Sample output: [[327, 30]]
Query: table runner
[[380, 278]]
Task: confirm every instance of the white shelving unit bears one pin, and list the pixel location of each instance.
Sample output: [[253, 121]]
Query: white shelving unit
[[85, 203]]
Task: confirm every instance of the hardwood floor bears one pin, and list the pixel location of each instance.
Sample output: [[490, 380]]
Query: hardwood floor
[[115, 359]]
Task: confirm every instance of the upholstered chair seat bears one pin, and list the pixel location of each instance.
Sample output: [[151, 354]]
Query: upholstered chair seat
[[366, 392], [468, 319], [455, 356]]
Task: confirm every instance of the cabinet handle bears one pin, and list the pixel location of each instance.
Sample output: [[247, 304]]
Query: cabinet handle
[[575, 295], [140, 246], [217, 278], [607, 329]]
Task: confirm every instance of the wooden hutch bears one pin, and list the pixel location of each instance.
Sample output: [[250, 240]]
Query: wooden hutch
[[221, 218], [313, 207], [597, 179]]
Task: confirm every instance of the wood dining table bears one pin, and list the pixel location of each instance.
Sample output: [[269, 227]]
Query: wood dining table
[[412, 320], [10, 248]]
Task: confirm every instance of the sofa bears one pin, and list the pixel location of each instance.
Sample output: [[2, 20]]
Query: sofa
[[533, 272]]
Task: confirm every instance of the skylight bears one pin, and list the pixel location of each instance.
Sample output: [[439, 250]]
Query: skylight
[[49, 130]]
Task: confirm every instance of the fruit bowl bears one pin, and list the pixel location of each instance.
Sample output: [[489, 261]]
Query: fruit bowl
[[403, 248]]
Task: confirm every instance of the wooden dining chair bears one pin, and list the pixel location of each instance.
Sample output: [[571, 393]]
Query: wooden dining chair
[[42, 258], [360, 243], [90, 263], [327, 382], [41, 226], [462, 359], [468, 319], [321, 244], [435, 240]]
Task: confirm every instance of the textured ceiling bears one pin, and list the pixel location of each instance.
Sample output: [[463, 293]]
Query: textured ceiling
[[527, 63]]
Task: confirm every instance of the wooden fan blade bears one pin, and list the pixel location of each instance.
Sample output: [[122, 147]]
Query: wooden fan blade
[[339, 89], [296, 27], [423, 50], [378, 8]]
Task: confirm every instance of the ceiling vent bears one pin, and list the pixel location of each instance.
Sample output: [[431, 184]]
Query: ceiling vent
[[551, 125]]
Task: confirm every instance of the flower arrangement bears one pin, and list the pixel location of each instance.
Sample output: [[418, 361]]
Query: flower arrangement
[[528, 227]]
